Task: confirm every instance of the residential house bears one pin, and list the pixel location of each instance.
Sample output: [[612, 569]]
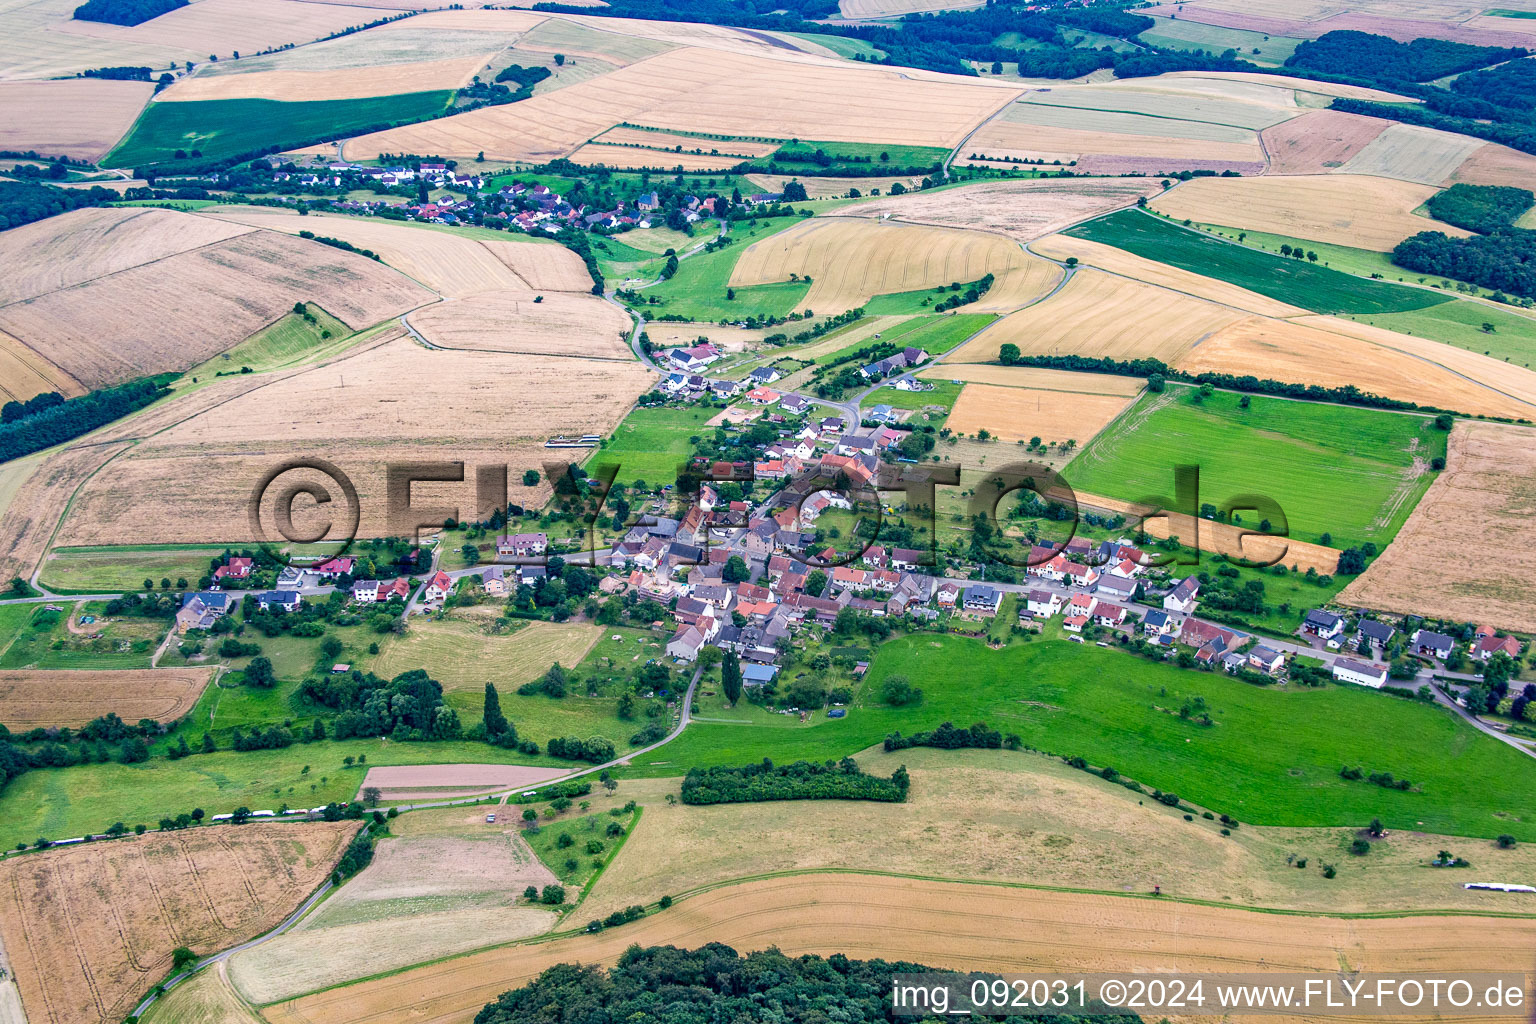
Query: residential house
[[981, 601], [1200, 634], [494, 580], [1489, 645], [1109, 615], [762, 396], [724, 389], [439, 587], [1322, 624], [883, 414], [365, 591], [1266, 659], [947, 594], [911, 383], [279, 601], [235, 569], [694, 359], [846, 577], [686, 643], [1081, 576], [1074, 623], [908, 559], [1436, 645], [200, 610], [764, 375], [855, 444], [1080, 605], [762, 538], [397, 588], [1159, 624], [1346, 670], [1370, 632], [1042, 604], [334, 567], [794, 405], [1181, 600], [758, 675], [521, 545]]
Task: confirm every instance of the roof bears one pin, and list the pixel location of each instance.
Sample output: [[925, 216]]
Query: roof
[[1424, 638], [1379, 631], [1322, 617], [758, 673], [1360, 667]]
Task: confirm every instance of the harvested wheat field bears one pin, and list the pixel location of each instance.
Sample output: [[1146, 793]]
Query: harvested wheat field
[[1120, 842], [830, 188], [584, 39], [444, 882], [1014, 414], [82, 245], [450, 781], [1488, 489], [24, 373], [192, 481], [595, 154], [64, 698], [850, 260], [1496, 165], [1127, 264], [648, 139], [89, 929], [222, 27], [464, 657], [177, 311], [1353, 210], [1022, 210], [383, 48], [709, 91], [1319, 140], [560, 324], [40, 501], [1222, 80], [1412, 153], [80, 118], [1099, 314], [942, 924], [207, 998], [341, 84], [1332, 352]]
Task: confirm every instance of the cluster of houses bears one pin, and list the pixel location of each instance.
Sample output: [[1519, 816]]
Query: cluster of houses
[[1372, 638], [903, 360]]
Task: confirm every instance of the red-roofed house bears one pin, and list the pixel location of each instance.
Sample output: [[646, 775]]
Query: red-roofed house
[[439, 586], [762, 396], [234, 569]]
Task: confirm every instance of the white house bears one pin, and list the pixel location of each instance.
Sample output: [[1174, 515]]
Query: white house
[[1043, 603], [1181, 599], [439, 587]]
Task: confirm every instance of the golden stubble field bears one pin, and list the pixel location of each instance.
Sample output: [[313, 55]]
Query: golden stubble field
[[1488, 490], [89, 929], [73, 698], [1021, 210], [1015, 414], [963, 821], [1100, 314], [711, 91], [1354, 210], [850, 260], [394, 401], [170, 291], [558, 324], [80, 118], [444, 882]]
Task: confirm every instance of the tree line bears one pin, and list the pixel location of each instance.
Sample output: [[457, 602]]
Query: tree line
[[43, 425], [22, 202], [1504, 261], [947, 737], [126, 12], [803, 780]]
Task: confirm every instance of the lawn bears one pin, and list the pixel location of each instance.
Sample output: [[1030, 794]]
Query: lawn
[[860, 155], [226, 128], [1273, 756], [1337, 469], [115, 569], [698, 290], [290, 340], [944, 393], [652, 444], [1309, 285]]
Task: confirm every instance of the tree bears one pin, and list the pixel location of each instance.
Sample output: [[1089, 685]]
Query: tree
[[730, 677], [1444, 421], [496, 723], [997, 67], [794, 192], [372, 796], [1155, 382], [181, 959], [1360, 847], [259, 673], [471, 554], [559, 60], [815, 583], [736, 570], [610, 784], [530, 478], [1506, 842], [898, 691], [1008, 354]]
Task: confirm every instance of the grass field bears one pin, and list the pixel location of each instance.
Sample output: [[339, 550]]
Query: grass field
[[853, 154], [1174, 34], [1272, 757], [289, 341], [1461, 323], [113, 569], [1321, 289], [573, 865], [652, 444], [698, 290], [46, 642], [222, 128], [841, 45], [1355, 473]]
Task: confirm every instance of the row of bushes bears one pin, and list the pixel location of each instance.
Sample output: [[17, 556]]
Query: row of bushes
[[803, 780]]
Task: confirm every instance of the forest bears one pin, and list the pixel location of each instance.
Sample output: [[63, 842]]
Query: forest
[[126, 12], [1505, 262], [1481, 208], [22, 202], [714, 984], [1384, 59], [32, 426]]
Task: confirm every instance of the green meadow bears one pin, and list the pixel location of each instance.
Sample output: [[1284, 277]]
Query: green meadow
[[1309, 285], [1271, 757], [224, 128], [1334, 469], [653, 444]]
